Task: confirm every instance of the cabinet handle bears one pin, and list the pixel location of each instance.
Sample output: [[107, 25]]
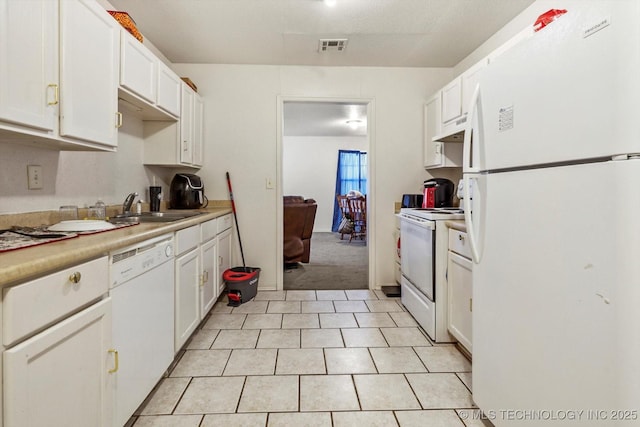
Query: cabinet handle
[[470, 304], [185, 146], [75, 277], [56, 94], [220, 259], [206, 276], [118, 119], [461, 237], [116, 361]]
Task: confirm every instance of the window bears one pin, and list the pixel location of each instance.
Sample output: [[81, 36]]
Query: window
[[351, 175]]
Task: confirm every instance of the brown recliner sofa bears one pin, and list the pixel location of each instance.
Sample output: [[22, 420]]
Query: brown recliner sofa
[[299, 215]]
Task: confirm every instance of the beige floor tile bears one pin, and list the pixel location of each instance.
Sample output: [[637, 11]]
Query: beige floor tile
[[328, 393], [300, 321], [169, 421], [306, 419], [385, 392], [235, 420], [251, 307], [284, 307], [351, 307], [236, 338], [301, 296], [364, 418], [396, 360], [263, 321], [363, 337], [165, 397], [202, 339], [277, 393], [360, 294], [221, 307], [321, 338], [270, 296], [374, 320], [403, 337], [385, 306], [403, 319], [211, 395], [330, 295], [465, 377], [349, 361], [300, 361], [318, 307], [337, 320], [225, 321], [279, 338], [431, 418], [474, 418], [443, 359], [201, 363], [251, 362], [440, 391]]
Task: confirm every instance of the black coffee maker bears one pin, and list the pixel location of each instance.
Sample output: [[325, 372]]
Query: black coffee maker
[[186, 192], [438, 193]]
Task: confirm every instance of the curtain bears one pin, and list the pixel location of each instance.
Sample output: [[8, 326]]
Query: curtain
[[351, 175]]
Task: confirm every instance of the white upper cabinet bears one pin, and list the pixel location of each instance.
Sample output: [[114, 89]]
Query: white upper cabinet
[[438, 154], [138, 67], [198, 130], [452, 100], [169, 89], [469, 83], [89, 72], [186, 128], [29, 69]]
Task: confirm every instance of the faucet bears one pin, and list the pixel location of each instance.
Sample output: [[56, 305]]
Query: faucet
[[126, 206]]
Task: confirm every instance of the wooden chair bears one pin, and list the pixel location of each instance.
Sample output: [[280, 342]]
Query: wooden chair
[[343, 203], [358, 212]]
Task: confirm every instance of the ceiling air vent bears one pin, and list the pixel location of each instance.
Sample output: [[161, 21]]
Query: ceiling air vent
[[332, 45]]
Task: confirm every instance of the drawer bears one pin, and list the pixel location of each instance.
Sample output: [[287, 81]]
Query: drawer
[[209, 230], [32, 305], [187, 238], [459, 243], [225, 222]]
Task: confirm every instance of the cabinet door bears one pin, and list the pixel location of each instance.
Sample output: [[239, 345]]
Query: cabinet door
[[168, 89], [469, 83], [138, 65], [186, 125], [89, 72], [187, 296], [209, 283], [432, 125], [29, 63], [452, 100], [460, 299], [61, 377], [197, 129], [224, 256]]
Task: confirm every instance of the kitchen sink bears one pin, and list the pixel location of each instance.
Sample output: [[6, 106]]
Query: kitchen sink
[[152, 217]]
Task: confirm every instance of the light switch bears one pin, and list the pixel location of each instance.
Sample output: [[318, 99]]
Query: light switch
[[269, 183]]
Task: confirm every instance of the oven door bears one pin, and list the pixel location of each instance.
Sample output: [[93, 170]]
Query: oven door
[[416, 253]]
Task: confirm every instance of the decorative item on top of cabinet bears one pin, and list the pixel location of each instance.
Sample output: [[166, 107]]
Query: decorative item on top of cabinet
[[61, 49], [438, 154], [459, 267]]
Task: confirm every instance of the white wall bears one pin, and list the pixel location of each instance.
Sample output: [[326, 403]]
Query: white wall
[[309, 170], [241, 137]]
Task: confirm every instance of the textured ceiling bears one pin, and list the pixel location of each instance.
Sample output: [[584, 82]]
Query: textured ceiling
[[397, 33], [323, 119]]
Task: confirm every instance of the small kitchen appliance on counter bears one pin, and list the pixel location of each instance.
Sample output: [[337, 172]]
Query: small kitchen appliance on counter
[[187, 192], [438, 193]]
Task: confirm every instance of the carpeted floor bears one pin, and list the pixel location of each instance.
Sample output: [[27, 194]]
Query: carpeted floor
[[334, 264]]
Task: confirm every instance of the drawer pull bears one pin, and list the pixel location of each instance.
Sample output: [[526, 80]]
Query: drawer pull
[[75, 277], [461, 237], [116, 361]]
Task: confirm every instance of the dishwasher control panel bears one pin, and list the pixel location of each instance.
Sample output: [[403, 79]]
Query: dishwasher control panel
[[132, 261]]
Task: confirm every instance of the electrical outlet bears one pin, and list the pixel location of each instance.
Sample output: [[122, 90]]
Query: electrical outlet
[[34, 173]]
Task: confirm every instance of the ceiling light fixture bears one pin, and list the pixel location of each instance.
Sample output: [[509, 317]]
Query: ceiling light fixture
[[354, 123], [330, 3]]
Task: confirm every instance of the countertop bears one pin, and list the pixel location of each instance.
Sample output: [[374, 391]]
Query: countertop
[[456, 225], [25, 264]]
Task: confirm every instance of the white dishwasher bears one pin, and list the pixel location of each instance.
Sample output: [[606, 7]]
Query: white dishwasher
[[141, 281]]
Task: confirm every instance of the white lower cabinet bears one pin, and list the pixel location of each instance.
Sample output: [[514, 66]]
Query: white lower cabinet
[[209, 279], [460, 285], [225, 248], [187, 290], [59, 373]]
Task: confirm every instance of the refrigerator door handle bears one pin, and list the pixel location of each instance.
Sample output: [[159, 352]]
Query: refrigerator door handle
[[468, 219], [467, 165]]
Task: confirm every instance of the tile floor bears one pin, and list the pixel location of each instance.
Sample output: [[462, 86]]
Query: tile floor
[[312, 358]]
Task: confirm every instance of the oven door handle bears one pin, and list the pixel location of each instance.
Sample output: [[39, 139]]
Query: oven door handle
[[420, 223]]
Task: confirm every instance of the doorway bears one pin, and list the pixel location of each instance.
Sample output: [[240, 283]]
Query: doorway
[[311, 132]]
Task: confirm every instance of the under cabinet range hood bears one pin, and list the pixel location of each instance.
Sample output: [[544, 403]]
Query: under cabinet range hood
[[453, 131]]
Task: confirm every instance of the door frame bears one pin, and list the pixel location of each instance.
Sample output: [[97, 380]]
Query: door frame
[[371, 185]]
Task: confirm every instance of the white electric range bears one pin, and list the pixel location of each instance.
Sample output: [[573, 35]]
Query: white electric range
[[423, 262]]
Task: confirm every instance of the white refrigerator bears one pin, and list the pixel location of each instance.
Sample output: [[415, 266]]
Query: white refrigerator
[[554, 168]]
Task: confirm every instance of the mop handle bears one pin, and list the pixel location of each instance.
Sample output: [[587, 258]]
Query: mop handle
[[235, 217]]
